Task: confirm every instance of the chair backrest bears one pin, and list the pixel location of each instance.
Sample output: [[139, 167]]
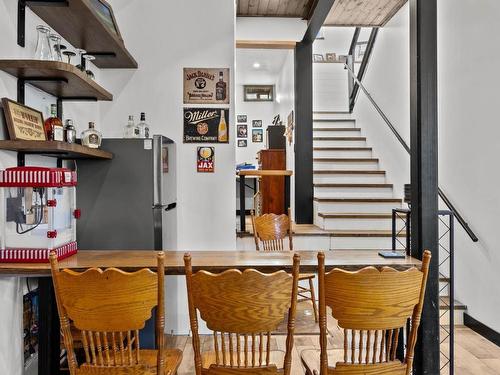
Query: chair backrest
[[108, 308], [271, 230], [242, 308], [373, 307]]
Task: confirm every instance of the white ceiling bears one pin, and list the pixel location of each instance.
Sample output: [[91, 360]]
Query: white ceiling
[[270, 60]]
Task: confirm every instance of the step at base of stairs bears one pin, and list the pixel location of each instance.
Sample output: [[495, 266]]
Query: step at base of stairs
[[349, 205], [348, 176], [325, 190], [351, 221], [444, 311]]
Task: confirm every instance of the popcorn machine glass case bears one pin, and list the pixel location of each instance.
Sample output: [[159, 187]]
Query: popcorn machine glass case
[[38, 213]]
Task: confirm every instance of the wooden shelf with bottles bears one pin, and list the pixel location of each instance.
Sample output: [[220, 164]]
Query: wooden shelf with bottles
[[60, 79], [86, 24], [60, 150]]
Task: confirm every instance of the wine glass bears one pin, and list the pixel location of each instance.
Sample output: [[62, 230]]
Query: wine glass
[[55, 41], [69, 54], [81, 53], [88, 71]]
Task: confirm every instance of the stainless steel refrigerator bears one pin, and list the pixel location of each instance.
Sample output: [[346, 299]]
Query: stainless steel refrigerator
[[129, 202]]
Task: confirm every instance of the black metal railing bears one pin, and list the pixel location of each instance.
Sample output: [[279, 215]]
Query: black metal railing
[[442, 195], [446, 275]]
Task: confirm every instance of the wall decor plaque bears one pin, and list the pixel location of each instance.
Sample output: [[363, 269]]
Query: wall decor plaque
[[23, 123], [206, 160], [206, 125], [206, 85]]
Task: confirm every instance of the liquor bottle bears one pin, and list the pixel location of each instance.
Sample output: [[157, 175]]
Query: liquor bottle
[[131, 129], [91, 137], [222, 131], [143, 127], [221, 88], [53, 126]]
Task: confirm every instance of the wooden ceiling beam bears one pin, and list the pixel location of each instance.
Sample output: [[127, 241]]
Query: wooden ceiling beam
[[266, 44]]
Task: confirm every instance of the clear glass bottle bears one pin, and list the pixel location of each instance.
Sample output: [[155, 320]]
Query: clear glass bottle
[[222, 131], [53, 126], [91, 137], [143, 126], [43, 51], [70, 131], [131, 129]]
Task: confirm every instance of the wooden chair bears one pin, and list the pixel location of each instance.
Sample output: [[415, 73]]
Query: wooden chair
[[108, 308], [271, 230], [242, 308], [372, 306]]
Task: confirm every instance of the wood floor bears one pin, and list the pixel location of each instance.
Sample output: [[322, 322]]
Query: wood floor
[[474, 354]]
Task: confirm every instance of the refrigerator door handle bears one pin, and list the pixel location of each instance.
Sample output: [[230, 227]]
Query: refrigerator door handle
[[170, 206]]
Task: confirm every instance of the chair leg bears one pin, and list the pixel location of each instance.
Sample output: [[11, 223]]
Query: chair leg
[[313, 300]]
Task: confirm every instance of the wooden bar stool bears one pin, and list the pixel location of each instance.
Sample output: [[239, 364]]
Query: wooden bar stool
[[108, 308], [242, 309], [271, 231], [372, 306]]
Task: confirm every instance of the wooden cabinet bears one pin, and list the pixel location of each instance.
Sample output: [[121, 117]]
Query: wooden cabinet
[[272, 188]]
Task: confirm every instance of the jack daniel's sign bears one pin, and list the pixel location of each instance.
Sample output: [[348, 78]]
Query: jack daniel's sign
[[206, 86], [206, 125]]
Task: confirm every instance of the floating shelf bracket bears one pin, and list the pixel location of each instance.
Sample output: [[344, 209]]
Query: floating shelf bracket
[[21, 15]]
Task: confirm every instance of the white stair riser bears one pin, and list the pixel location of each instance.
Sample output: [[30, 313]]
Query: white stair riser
[[376, 243], [356, 223], [337, 143], [336, 133], [358, 207], [341, 165], [334, 124], [445, 318], [349, 178], [342, 153], [352, 192]]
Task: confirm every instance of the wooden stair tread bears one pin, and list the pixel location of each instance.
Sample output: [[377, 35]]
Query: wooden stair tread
[[444, 304], [355, 185], [339, 138], [347, 172], [332, 119], [328, 215], [337, 129], [359, 200], [364, 233], [342, 149], [348, 160]]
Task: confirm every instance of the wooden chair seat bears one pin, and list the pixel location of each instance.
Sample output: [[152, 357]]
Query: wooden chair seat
[[311, 362], [209, 358], [147, 365]]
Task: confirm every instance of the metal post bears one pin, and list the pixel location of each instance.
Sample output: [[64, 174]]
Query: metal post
[[242, 204], [394, 234], [21, 87], [452, 295], [287, 194], [49, 336], [59, 108], [424, 172], [21, 22]]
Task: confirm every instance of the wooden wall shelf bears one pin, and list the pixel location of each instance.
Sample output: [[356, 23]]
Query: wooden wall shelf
[[61, 150], [60, 79], [78, 23]]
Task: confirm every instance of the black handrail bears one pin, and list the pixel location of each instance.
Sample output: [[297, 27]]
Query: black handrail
[[443, 196]]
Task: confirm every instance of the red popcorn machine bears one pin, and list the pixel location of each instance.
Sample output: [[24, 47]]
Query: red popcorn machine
[[37, 214]]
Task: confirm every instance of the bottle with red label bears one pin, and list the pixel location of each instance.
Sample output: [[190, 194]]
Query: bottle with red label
[[54, 128]]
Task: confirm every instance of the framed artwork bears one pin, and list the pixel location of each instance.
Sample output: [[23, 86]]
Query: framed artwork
[[206, 125], [318, 58], [242, 131], [289, 128], [241, 118], [256, 123], [23, 123], [242, 143], [359, 51], [331, 57], [257, 135], [206, 85], [205, 160]]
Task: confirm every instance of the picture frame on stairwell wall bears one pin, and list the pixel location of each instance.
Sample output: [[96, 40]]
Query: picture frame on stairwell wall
[[257, 135]]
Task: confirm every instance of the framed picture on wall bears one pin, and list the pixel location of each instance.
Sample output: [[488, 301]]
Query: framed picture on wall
[[23, 123], [242, 131], [241, 118], [242, 143], [256, 123], [257, 135]]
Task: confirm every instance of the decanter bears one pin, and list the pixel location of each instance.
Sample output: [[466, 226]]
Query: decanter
[[91, 137]]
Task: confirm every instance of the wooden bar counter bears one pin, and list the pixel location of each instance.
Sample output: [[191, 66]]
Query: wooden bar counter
[[215, 261]]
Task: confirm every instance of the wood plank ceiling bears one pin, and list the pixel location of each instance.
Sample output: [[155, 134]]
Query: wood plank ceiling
[[370, 13], [275, 8]]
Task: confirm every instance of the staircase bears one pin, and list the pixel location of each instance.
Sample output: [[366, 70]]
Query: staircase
[[352, 197]]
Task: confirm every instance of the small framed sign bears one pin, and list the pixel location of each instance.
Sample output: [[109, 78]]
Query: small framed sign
[[241, 118], [206, 86], [242, 131], [206, 125], [242, 143], [206, 160], [257, 136], [23, 123]]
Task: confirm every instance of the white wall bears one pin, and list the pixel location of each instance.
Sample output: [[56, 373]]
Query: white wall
[[468, 83], [270, 29]]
